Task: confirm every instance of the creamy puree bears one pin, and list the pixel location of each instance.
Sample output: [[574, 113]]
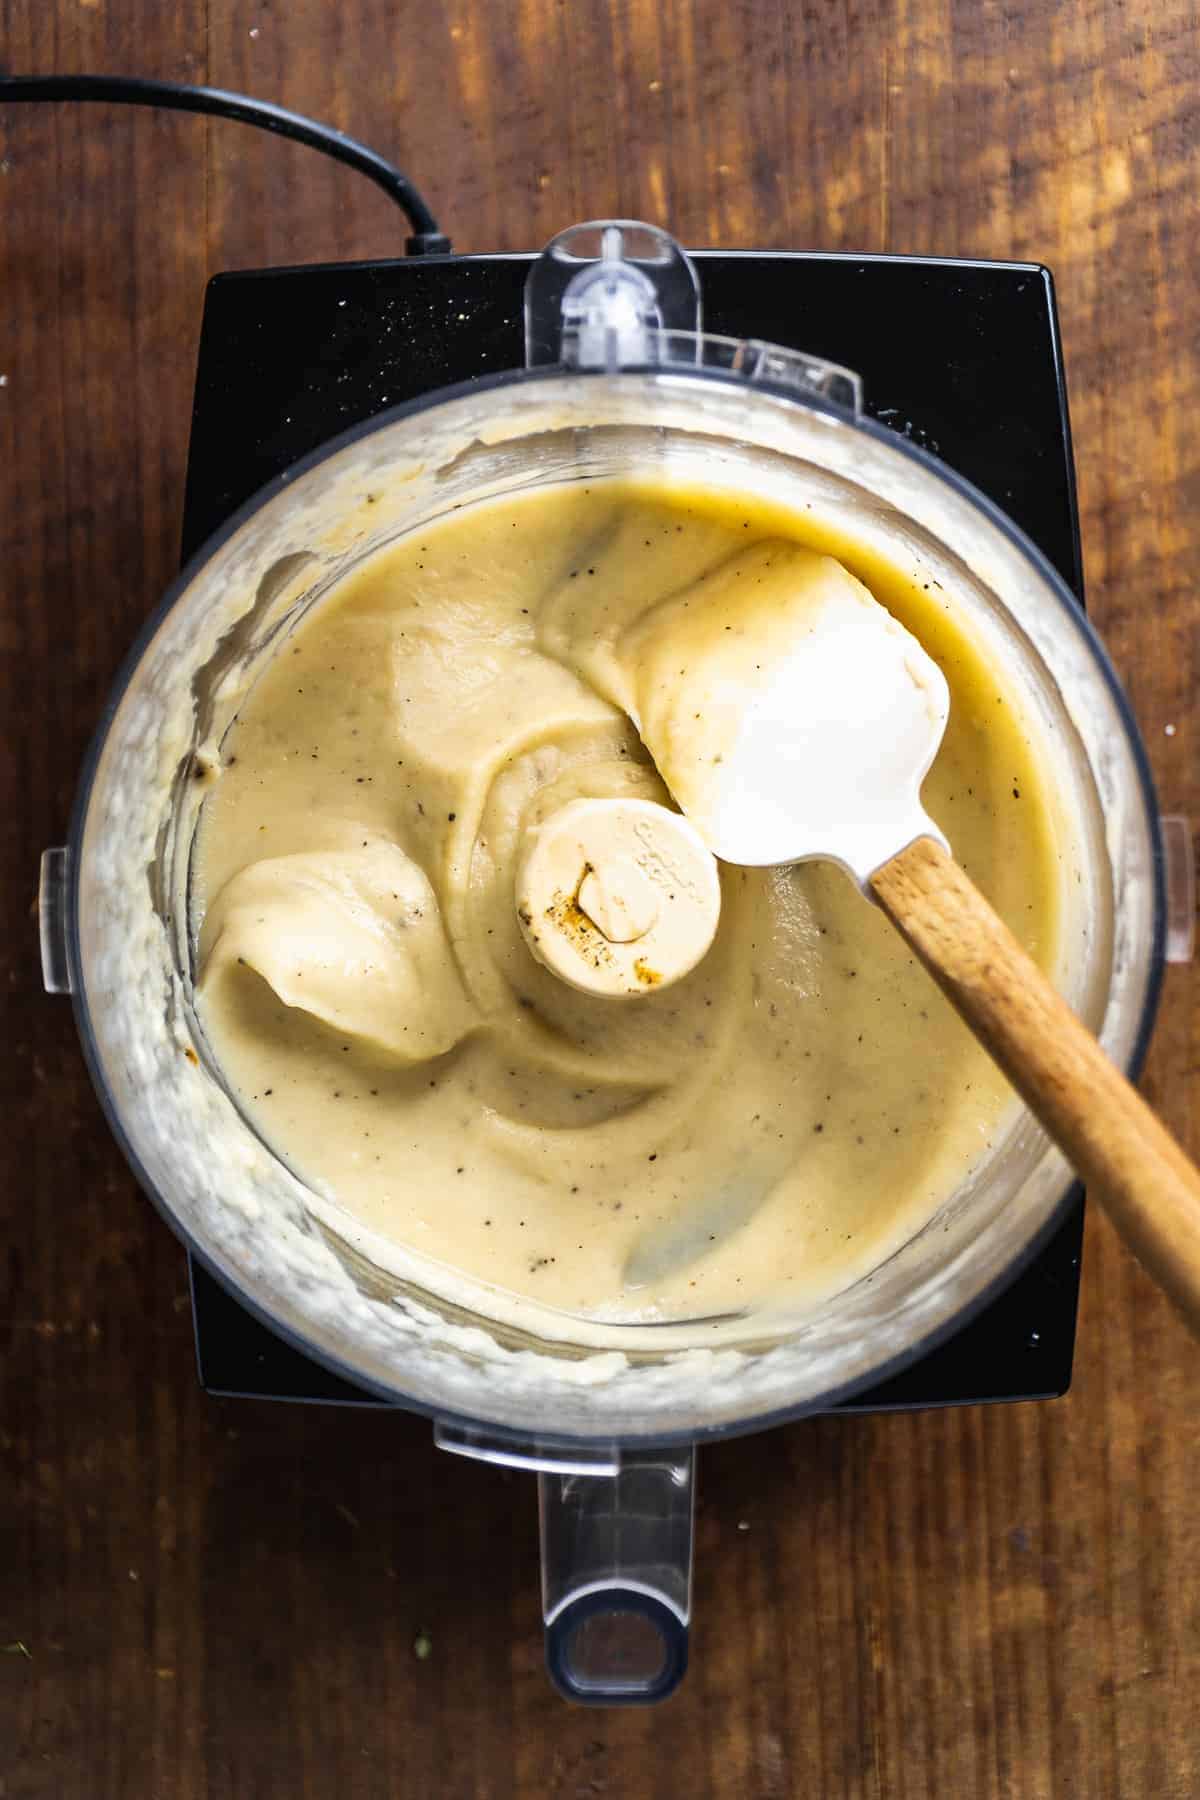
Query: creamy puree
[[764, 1131]]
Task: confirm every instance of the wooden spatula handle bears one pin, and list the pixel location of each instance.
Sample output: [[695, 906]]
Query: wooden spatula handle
[[1129, 1161]]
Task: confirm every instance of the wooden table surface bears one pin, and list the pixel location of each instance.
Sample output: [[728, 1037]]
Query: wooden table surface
[[203, 1598]]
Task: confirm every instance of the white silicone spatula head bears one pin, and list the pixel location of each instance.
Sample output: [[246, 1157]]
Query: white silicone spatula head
[[790, 714]]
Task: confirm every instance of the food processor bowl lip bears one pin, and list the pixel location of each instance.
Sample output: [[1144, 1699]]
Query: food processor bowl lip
[[673, 374]]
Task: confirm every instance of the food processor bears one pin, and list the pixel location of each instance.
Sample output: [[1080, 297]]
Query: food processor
[[619, 374]]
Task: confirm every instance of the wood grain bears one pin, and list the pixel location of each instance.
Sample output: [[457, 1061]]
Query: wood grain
[[220, 1599]]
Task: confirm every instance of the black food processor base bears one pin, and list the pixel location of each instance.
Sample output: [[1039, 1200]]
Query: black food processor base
[[961, 357]]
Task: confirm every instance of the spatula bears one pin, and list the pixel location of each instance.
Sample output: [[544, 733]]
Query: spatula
[[827, 715]]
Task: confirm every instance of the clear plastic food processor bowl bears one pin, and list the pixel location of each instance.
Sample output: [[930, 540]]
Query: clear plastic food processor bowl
[[619, 378]]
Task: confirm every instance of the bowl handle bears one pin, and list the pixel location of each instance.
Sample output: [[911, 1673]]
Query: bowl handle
[[616, 1530], [617, 1577]]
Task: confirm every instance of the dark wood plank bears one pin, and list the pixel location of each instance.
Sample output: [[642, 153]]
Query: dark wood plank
[[221, 1599], [103, 257]]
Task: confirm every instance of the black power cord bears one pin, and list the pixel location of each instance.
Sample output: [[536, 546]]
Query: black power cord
[[426, 239]]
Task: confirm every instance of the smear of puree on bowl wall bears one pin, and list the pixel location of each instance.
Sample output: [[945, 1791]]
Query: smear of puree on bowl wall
[[764, 1129]]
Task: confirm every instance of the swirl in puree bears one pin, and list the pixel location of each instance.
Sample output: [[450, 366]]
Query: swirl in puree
[[450, 986]]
